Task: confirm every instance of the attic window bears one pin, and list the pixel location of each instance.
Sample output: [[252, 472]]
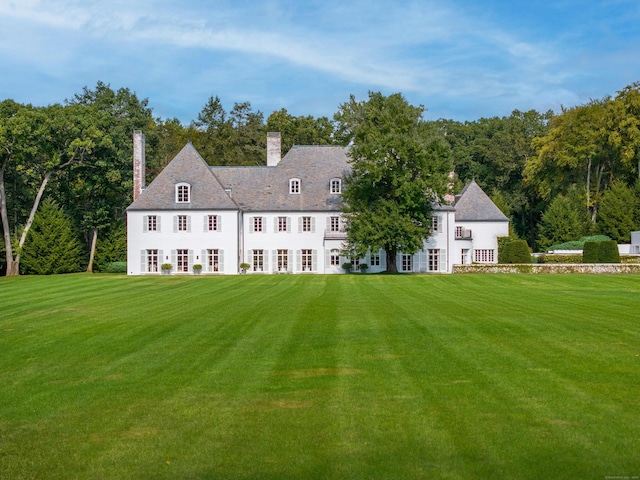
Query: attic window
[[336, 185], [183, 193], [294, 185]]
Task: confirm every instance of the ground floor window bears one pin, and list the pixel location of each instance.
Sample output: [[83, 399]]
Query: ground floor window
[[307, 260], [464, 255], [182, 257], [433, 256], [213, 260], [152, 260], [258, 261], [334, 258], [484, 255], [375, 259], [407, 265], [282, 259]]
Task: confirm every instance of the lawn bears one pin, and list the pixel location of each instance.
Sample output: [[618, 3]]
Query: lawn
[[330, 377]]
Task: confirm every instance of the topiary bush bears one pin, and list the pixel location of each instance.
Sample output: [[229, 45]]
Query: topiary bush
[[608, 252], [519, 252], [590, 252]]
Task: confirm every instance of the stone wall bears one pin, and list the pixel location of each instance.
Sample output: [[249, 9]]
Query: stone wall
[[549, 268]]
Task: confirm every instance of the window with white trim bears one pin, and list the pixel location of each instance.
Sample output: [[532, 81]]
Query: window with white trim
[[407, 264], [306, 224], [306, 260], [282, 224], [182, 257], [336, 185], [152, 223], [294, 185], [257, 224], [334, 258], [433, 257], [334, 225], [436, 224], [258, 261], [182, 223], [213, 260], [183, 193], [153, 260], [375, 259], [484, 255], [282, 260]]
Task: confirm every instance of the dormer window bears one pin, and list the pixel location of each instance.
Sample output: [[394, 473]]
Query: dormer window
[[336, 185], [294, 185], [183, 193]]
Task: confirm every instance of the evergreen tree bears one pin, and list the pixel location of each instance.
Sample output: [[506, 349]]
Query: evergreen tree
[[563, 221], [52, 246], [617, 217]]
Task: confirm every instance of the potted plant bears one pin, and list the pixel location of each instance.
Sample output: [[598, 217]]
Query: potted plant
[[347, 266], [244, 267], [197, 268], [166, 268], [363, 267]]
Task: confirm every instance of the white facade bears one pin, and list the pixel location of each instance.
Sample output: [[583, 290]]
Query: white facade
[[270, 218]]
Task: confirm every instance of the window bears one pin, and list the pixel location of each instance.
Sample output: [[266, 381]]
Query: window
[[282, 260], [213, 223], [433, 256], [183, 193], [183, 260], [258, 261], [257, 224], [306, 224], [282, 224], [435, 224], [152, 260], [152, 223], [484, 255], [334, 258], [336, 185], [375, 260], [464, 255], [306, 260], [334, 225], [406, 262], [462, 232], [294, 185], [182, 223], [213, 260]]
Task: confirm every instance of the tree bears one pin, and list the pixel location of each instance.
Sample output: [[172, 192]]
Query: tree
[[399, 168], [563, 221], [52, 246], [618, 210], [300, 130]]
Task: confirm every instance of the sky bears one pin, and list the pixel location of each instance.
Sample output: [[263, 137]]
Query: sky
[[460, 59]]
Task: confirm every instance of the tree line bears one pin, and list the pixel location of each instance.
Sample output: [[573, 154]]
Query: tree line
[[556, 176]]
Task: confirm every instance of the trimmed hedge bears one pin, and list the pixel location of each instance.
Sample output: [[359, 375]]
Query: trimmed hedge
[[590, 252], [601, 252], [513, 251], [116, 267], [553, 259]]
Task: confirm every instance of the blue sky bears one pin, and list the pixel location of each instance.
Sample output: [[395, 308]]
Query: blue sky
[[461, 59]]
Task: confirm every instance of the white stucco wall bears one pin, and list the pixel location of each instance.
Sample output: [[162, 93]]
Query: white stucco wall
[[195, 240]]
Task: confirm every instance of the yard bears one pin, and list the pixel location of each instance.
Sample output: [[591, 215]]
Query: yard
[[311, 376]]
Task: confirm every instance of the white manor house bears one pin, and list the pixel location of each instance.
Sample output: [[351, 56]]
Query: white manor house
[[281, 218]]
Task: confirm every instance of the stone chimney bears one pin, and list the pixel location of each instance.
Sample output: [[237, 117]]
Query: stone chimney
[[139, 166], [450, 197], [274, 148]]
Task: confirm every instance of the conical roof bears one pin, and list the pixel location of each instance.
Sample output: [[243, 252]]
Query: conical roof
[[473, 205]]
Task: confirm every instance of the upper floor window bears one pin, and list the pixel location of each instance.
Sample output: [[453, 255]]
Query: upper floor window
[[257, 224], [182, 223], [336, 185], [294, 185], [212, 223], [282, 225], [152, 223], [183, 193], [334, 224], [306, 224], [436, 224]]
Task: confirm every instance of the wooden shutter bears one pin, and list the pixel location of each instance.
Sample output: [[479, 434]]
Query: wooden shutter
[[158, 223], [274, 260], [188, 223], [143, 261], [190, 258], [175, 223], [145, 223], [300, 222], [221, 261], [206, 223], [313, 224], [314, 261], [251, 224], [298, 266], [174, 258], [219, 222], [289, 220]]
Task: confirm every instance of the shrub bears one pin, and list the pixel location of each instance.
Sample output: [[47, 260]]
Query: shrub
[[513, 251], [363, 267], [116, 267], [550, 258], [590, 252], [608, 252], [166, 266], [347, 266], [503, 250]]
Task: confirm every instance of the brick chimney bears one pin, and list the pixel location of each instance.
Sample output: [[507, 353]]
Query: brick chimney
[[139, 166], [274, 148]]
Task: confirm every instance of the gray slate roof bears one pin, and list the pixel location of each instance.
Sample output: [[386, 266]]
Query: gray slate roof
[[473, 205], [189, 167], [267, 188]]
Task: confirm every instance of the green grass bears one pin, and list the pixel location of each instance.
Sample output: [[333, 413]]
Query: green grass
[[336, 377]]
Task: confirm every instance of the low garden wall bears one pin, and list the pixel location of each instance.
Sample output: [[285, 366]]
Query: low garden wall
[[549, 268]]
